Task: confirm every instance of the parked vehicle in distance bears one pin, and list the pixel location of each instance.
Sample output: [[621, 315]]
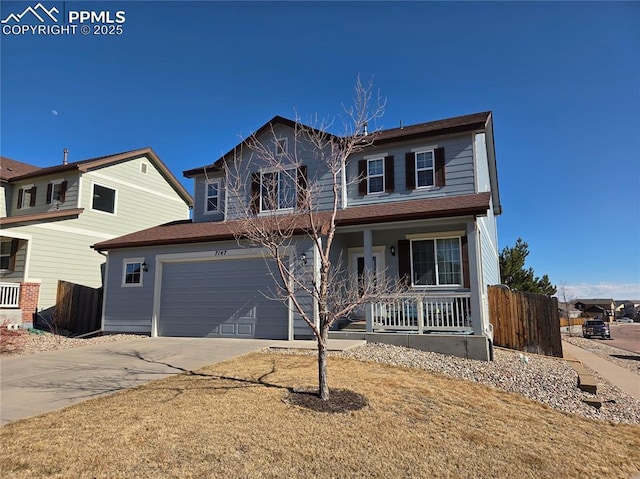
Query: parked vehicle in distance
[[624, 320], [596, 327]]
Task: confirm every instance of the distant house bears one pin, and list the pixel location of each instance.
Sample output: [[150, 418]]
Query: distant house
[[596, 307], [419, 203], [50, 217], [630, 309]]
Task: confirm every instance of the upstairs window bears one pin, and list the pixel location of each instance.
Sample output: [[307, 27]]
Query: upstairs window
[[27, 197], [284, 189], [212, 197], [103, 199], [56, 192], [278, 190], [281, 146], [375, 175], [425, 168]]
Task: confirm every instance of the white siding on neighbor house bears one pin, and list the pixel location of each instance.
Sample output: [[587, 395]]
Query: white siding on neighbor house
[[459, 170], [62, 249], [142, 200]]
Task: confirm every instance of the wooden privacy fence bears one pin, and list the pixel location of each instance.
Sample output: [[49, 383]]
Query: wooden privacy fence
[[525, 321], [78, 308]]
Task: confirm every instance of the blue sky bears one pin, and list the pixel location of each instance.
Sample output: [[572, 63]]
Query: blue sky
[[190, 78]]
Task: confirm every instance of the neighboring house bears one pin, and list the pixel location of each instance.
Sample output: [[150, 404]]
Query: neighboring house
[[420, 202], [568, 310], [630, 309], [596, 307], [51, 216]]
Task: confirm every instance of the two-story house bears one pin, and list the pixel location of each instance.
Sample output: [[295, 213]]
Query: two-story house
[[51, 216], [418, 202]]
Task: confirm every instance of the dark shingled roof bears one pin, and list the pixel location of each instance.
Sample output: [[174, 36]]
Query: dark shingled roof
[[183, 232], [458, 124], [11, 168]]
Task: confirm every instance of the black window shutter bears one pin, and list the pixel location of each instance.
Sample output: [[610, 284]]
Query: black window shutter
[[255, 193], [20, 194], [466, 282], [14, 253], [410, 169], [63, 191], [49, 191], [33, 196], [388, 174], [404, 261], [302, 187], [362, 177], [439, 161]]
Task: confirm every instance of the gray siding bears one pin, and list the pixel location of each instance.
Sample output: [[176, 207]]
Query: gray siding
[[459, 170], [199, 213]]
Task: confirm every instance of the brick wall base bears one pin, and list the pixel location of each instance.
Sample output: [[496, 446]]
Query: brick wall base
[[29, 295]]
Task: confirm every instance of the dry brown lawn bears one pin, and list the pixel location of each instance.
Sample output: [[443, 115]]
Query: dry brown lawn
[[415, 425]]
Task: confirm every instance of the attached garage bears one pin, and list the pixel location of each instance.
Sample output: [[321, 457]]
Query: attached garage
[[225, 296]]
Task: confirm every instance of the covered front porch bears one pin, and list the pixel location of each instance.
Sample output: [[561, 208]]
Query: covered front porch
[[18, 294], [439, 260]]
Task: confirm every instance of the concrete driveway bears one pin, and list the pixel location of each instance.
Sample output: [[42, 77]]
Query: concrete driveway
[[38, 383]]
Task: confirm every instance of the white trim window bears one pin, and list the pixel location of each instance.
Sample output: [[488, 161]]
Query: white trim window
[[278, 189], [103, 198], [425, 168], [132, 272], [436, 262], [281, 146], [375, 176], [212, 197], [27, 196]]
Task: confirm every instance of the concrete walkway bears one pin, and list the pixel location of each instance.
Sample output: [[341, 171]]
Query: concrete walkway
[[39, 383], [624, 379]]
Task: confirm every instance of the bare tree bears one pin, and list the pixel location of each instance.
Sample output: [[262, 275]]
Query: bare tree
[[287, 184]]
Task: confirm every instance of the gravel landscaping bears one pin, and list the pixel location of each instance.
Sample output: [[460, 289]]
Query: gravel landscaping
[[549, 381], [21, 342]]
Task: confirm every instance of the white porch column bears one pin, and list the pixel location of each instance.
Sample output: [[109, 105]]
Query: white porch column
[[475, 278], [367, 240]]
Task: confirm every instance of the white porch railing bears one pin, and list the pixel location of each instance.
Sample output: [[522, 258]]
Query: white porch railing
[[422, 312], [9, 295]]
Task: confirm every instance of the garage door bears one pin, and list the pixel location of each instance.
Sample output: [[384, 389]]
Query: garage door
[[224, 298]]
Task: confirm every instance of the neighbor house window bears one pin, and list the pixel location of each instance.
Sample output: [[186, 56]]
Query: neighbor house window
[[424, 169], [281, 146], [5, 255], [212, 197], [436, 262], [56, 192], [278, 190], [375, 175], [133, 271], [104, 199], [27, 196]]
